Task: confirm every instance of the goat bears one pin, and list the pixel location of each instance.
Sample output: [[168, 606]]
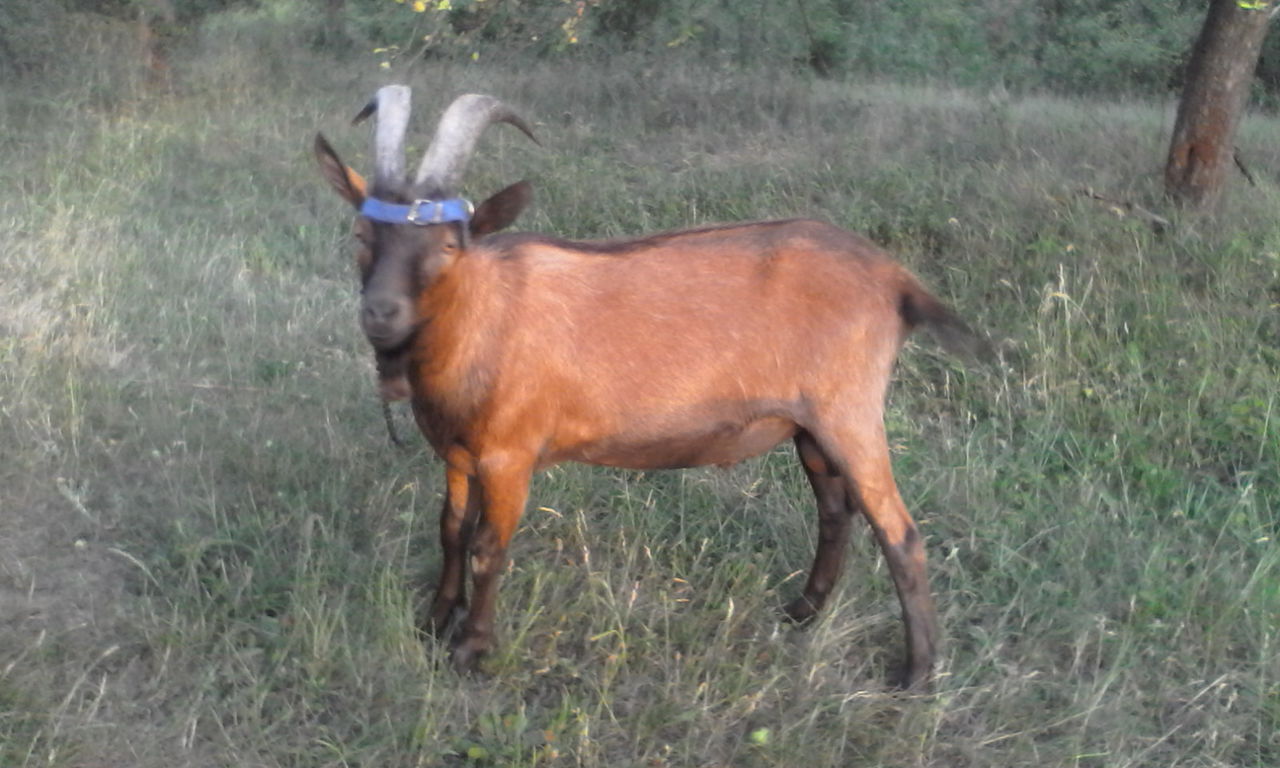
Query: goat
[[698, 347]]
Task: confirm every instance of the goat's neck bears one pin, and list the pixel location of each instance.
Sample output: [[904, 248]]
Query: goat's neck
[[461, 313]]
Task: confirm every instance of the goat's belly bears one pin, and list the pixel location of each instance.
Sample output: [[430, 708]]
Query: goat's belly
[[722, 444]]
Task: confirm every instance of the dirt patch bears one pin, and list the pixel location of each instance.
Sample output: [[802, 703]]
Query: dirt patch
[[69, 642]]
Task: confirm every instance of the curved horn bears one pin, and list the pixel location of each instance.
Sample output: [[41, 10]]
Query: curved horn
[[456, 136], [391, 104]]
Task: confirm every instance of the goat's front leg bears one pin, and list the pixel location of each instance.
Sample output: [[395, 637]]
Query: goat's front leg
[[504, 486], [457, 522]]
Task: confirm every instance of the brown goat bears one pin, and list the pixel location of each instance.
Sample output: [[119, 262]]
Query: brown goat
[[705, 346]]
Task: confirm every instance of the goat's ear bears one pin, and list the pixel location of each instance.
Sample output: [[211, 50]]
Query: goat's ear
[[343, 179], [499, 211]]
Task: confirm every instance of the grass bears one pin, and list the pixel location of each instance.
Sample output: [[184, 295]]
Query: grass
[[209, 555]]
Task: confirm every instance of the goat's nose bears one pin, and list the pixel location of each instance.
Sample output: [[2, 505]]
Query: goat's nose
[[380, 310]]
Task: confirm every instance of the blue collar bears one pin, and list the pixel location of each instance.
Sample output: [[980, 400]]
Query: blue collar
[[420, 212]]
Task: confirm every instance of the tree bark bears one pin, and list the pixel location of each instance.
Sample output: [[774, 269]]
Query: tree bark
[[1213, 99]]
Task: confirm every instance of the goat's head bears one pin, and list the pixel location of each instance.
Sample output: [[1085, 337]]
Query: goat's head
[[410, 230]]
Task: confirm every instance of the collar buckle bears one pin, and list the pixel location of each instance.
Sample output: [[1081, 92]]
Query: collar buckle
[[415, 214]]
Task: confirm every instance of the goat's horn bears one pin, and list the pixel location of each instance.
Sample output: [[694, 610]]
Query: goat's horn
[[456, 136], [392, 107]]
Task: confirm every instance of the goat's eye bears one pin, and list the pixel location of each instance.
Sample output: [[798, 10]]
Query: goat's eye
[[362, 232], [363, 253]]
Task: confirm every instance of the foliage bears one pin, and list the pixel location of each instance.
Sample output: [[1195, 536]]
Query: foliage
[[28, 36], [1064, 46], [1102, 45]]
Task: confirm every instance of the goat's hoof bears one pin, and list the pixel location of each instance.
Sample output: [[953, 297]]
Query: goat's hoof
[[800, 611], [913, 680], [444, 622], [468, 652]]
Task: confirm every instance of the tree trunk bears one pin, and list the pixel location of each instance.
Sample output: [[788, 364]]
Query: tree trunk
[[156, 22], [335, 21], [1213, 98]]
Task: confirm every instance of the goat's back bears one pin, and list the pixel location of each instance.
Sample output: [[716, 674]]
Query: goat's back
[[774, 298]]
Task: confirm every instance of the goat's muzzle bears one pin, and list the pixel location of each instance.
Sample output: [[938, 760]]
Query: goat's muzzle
[[387, 321]]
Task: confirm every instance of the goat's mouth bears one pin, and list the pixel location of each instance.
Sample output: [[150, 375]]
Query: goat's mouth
[[390, 342]]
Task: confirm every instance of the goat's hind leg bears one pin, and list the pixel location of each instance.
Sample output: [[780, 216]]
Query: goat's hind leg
[[835, 514], [863, 455]]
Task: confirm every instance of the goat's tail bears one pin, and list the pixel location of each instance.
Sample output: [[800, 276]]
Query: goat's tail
[[919, 307]]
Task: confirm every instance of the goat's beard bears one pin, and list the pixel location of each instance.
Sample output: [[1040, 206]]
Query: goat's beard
[[393, 379]]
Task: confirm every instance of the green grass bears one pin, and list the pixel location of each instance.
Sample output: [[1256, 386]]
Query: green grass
[[209, 555]]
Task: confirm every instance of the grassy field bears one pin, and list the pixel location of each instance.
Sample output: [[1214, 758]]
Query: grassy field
[[209, 552]]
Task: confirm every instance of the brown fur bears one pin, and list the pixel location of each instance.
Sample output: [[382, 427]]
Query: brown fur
[[706, 346]]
